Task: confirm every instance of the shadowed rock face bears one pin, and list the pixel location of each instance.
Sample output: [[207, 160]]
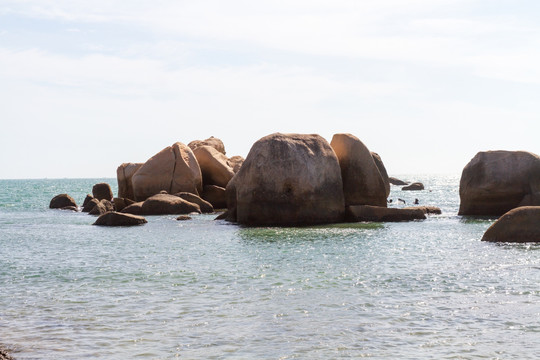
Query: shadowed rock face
[[174, 169], [362, 180], [495, 182], [356, 213], [215, 195], [287, 179], [519, 225], [62, 201], [214, 166], [102, 191], [124, 173], [382, 171]]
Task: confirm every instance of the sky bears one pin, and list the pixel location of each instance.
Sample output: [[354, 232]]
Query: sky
[[88, 85]]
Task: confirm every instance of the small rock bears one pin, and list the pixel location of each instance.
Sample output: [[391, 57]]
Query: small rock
[[414, 186], [357, 213], [90, 205], [119, 219], [184, 217], [62, 201]]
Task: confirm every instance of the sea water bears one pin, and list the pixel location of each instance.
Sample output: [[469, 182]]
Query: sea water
[[207, 289]]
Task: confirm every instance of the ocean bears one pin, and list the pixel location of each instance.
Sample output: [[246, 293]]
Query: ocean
[[206, 289]]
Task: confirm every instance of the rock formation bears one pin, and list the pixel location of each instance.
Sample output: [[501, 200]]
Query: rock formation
[[396, 181], [382, 171], [415, 186], [214, 166], [119, 219], [518, 225], [174, 169], [357, 213], [211, 141], [215, 195], [62, 201], [124, 173], [102, 191], [162, 204], [206, 207], [362, 180], [288, 179], [494, 182], [235, 163]]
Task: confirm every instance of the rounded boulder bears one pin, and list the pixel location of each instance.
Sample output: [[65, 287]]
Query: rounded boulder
[[518, 225]]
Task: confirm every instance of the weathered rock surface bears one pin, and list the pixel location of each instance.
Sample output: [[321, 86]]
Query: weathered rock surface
[[382, 171], [183, 217], [357, 213], [518, 225], [90, 205], [211, 141], [215, 195], [235, 162], [62, 201], [362, 180], [214, 166], [415, 186], [165, 204], [426, 209], [494, 182], [287, 179], [135, 208], [102, 207], [174, 169], [102, 191], [121, 203], [124, 174], [119, 219], [87, 199], [396, 181], [206, 207]]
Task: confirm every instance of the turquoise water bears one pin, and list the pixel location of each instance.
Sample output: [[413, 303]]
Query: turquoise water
[[206, 289]]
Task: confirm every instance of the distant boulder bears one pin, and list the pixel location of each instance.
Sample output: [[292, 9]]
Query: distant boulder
[[119, 219], [104, 206], [206, 207], [362, 180], [215, 195], [88, 206], [121, 203], [62, 201], [211, 141], [102, 191], [426, 209], [357, 213], [287, 179], [519, 225], [165, 204], [416, 186], [174, 169], [124, 173], [214, 166], [494, 182], [396, 181], [235, 163]]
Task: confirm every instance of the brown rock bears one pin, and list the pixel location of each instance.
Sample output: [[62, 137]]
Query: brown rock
[[62, 201], [414, 187], [86, 200], [121, 203], [235, 163], [174, 169], [357, 213], [362, 180], [214, 167], [114, 218], [183, 217], [165, 204], [102, 191], [518, 225], [426, 209], [134, 209], [288, 179], [396, 181], [90, 205], [215, 195], [211, 141], [206, 207], [382, 171], [103, 207], [495, 182], [124, 173]]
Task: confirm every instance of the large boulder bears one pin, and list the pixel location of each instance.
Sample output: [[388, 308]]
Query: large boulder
[[362, 180], [214, 166], [206, 207], [102, 191], [357, 213], [211, 141], [215, 195], [494, 182], [165, 204], [119, 219], [382, 171], [174, 169], [62, 201], [287, 179], [124, 173], [518, 225]]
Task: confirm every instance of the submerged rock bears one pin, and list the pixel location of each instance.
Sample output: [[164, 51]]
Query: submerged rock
[[357, 213], [62, 201], [416, 186], [119, 219], [183, 217], [426, 209], [518, 225]]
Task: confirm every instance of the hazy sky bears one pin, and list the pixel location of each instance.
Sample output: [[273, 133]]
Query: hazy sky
[[87, 85]]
